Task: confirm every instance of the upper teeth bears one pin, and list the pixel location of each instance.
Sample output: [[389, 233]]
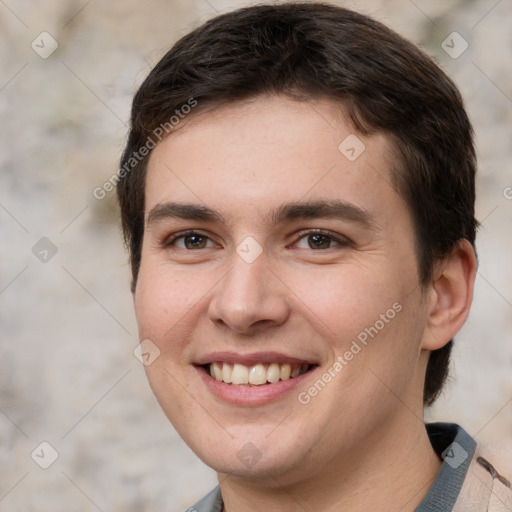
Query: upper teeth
[[257, 374]]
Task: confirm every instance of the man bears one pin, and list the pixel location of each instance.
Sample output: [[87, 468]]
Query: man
[[297, 195]]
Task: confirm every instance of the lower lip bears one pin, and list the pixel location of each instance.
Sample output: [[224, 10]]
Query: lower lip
[[251, 395]]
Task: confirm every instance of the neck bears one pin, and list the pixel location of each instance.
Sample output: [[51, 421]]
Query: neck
[[392, 471]]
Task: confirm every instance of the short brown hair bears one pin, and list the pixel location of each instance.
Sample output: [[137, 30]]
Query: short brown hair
[[313, 50]]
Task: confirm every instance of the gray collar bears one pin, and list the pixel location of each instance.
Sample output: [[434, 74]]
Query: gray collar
[[451, 442]]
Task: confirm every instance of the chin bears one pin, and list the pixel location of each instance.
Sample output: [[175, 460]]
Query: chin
[[258, 458]]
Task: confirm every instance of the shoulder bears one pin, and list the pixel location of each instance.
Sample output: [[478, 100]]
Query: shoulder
[[488, 483]]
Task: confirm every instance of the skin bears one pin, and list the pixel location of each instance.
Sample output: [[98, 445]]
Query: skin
[[359, 444]]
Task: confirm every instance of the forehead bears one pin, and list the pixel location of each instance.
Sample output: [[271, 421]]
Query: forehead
[[257, 155]]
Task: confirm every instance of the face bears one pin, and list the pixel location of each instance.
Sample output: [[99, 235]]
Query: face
[[279, 282]]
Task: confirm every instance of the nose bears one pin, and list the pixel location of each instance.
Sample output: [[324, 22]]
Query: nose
[[249, 298]]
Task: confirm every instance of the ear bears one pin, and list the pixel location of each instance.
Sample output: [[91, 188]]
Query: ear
[[450, 296]]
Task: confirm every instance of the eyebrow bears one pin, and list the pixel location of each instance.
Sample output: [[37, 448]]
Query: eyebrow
[[323, 209], [290, 211]]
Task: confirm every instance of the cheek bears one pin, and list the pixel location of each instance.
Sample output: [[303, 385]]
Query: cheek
[[164, 305], [371, 321], [343, 300]]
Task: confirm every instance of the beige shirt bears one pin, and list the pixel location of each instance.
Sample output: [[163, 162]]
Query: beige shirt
[[487, 486], [471, 479]]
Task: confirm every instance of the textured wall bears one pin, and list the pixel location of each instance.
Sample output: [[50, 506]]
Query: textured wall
[[67, 372]]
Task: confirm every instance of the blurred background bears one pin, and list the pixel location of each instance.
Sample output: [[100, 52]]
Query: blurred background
[[68, 375]]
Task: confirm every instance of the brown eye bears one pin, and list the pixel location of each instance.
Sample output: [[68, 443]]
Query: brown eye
[[194, 241], [319, 241], [189, 241]]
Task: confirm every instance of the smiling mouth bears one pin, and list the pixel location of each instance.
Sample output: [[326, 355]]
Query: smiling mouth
[[256, 375]]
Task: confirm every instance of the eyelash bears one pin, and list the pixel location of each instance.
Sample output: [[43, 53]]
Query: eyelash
[[168, 242], [341, 241]]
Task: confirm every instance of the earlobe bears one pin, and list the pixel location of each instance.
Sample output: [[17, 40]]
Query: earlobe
[[451, 295]]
